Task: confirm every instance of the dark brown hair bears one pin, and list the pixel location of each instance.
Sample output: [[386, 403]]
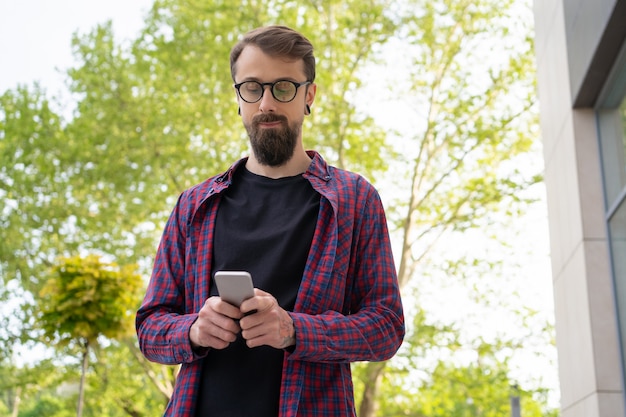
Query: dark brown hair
[[277, 41]]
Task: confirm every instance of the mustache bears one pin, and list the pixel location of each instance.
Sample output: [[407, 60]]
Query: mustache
[[268, 118]]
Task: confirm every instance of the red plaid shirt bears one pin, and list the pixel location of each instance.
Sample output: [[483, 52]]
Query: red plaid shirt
[[348, 306]]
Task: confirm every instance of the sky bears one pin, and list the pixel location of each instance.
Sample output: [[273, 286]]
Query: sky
[[35, 35]]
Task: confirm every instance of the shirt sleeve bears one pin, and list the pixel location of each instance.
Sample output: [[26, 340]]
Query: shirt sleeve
[[373, 327], [162, 322]]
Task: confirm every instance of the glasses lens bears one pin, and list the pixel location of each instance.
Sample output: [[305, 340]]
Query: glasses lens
[[251, 91], [284, 91]]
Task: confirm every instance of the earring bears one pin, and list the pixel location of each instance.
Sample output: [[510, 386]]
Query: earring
[[307, 109], [239, 111]]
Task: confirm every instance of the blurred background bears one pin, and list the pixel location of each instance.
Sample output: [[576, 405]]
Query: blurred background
[[108, 111]]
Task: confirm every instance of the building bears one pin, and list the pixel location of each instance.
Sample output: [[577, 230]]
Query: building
[[581, 63]]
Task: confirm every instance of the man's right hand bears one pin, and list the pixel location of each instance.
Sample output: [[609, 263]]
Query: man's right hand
[[217, 325]]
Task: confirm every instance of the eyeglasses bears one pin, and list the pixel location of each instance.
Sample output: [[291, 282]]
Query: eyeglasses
[[282, 90]]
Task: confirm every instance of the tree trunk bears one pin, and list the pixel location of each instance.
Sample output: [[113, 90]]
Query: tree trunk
[[373, 377], [81, 388], [16, 401]]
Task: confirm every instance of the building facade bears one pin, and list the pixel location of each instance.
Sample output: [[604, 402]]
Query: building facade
[[581, 69]]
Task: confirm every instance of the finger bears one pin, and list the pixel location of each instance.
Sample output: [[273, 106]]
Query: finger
[[251, 333], [224, 323], [252, 304], [260, 330], [217, 343], [205, 333], [254, 320], [260, 292], [211, 322], [252, 343], [258, 304], [264, 340], [209, 319], [220, 306], [218, 320], [259, 335]]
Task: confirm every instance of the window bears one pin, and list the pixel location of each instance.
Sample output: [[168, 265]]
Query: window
[[611, 116], [612, 123]]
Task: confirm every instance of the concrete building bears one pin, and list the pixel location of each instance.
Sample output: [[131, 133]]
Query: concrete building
[[581, 63]]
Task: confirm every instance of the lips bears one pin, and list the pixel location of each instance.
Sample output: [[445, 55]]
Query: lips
[[268, 125], [269, 120]]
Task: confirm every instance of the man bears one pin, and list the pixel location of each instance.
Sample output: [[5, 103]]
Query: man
[[315, 241]]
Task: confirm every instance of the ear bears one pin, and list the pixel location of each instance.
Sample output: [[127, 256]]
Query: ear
[[237, 98], [310, 97]]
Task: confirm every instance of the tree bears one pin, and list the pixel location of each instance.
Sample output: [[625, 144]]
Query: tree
[[474, 116], [437, 373], [481, 389], [115, 386], [85, 299], [34, 221], [124, 391], [21, 384], [35, 217]]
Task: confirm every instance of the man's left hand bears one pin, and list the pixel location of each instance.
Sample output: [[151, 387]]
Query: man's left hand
[[266, 323]]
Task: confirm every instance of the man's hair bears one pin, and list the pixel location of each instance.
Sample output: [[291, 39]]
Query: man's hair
[[280, 42]]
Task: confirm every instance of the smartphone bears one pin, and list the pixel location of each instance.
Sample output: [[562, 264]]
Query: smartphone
[[234, 287]]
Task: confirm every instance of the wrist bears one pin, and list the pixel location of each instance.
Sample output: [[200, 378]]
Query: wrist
[[288, 332], [195, 347]]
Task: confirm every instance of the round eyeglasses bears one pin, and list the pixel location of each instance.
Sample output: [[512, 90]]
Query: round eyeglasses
[[282, 90]]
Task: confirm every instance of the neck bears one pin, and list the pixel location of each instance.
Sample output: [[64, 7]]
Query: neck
[[297, 165]]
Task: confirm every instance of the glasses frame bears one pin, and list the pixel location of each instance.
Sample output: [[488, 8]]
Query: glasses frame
[[271, 85]]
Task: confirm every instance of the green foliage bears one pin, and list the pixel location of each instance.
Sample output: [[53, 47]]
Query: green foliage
[[472, 88], [85, 298], [50, 405], [466, 80], [348, 37], [436, 375], [476, 389], [34, 389], [34, 209], [119, 384]]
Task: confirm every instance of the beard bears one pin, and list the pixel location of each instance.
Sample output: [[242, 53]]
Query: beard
[[274, 146]]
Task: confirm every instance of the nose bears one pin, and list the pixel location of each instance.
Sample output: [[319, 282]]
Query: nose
[[268, 102]]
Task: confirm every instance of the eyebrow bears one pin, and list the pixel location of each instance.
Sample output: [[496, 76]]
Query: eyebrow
[[275, 80]]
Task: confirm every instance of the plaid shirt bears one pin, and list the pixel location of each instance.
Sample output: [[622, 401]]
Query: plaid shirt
[[348, 306]]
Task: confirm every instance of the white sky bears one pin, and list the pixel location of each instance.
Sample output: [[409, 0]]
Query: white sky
[[35, 35]]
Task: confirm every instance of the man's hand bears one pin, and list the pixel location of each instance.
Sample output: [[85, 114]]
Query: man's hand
[[216, 326], [267, 323]]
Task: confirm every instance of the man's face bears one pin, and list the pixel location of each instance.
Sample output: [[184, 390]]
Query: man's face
[[274, 127]]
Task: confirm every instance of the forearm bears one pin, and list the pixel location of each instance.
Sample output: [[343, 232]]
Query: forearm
[[373, 335], [164, 337]]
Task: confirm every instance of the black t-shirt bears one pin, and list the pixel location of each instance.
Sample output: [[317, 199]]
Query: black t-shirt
[[264, 226]]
